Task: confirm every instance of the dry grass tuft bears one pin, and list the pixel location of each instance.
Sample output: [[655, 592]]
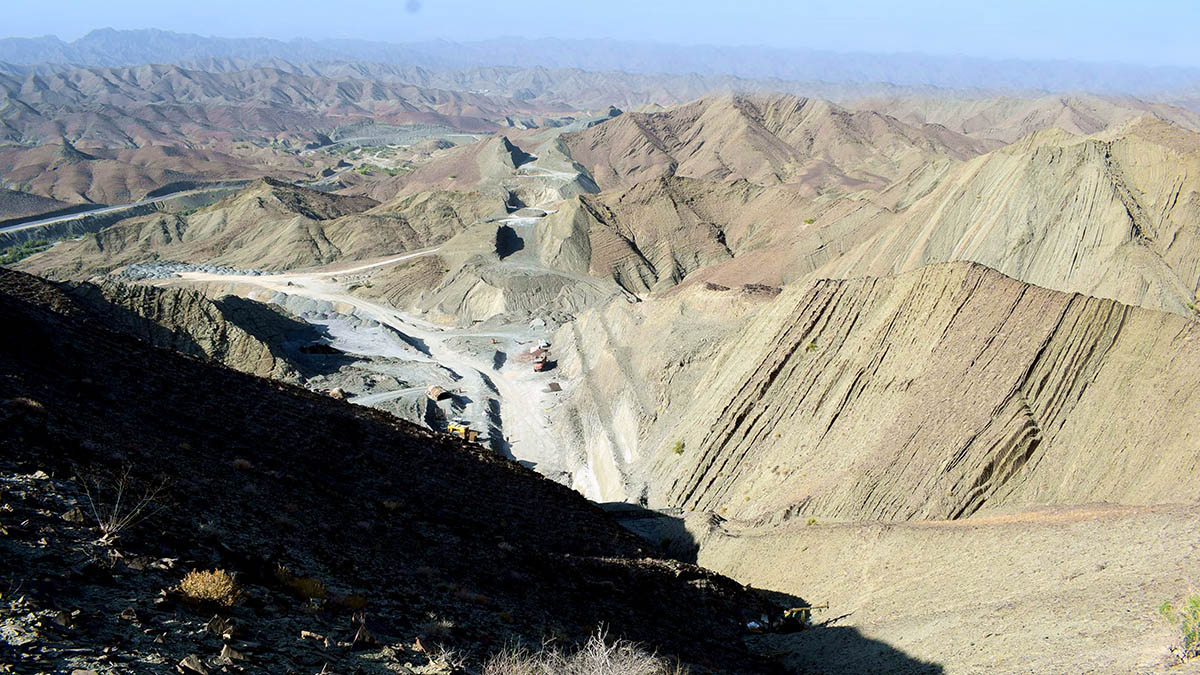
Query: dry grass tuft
[[216, 587], [436, 628], [597, 657]]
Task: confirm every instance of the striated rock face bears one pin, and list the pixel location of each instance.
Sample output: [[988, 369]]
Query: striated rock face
[[239, 333], [935, 395]]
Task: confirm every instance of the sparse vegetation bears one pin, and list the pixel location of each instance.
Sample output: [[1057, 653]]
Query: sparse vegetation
[[367, 169], [211, 587], [447, 660], [1186, 618], [811, 521], [21, 251], [117, 501], [678, 447], [436, 628], [307, 588], [597, 657], [809, 221]]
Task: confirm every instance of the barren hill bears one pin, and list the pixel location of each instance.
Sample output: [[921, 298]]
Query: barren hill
[[430, 540], [247, 336], [142, 104], [1111, 216], [1008, 119], [269, 224], [763, 139], [121, 175]]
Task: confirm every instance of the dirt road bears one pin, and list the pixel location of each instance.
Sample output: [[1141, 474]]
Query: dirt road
[[516, 389]]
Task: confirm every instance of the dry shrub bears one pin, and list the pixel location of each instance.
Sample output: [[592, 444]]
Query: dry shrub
[[216, 587], [597, 657], [305, 587], [436, 628], [118, 501]]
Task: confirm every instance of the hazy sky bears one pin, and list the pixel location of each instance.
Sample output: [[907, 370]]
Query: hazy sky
[[1160, 32]]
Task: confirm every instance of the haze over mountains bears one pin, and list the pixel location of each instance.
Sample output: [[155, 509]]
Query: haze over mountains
[[914, 335], [108, 47]]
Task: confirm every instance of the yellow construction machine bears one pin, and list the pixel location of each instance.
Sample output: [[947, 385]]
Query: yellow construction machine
[[461, 429]]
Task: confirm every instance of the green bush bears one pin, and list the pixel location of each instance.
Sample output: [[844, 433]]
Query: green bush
[[1187, 620], [678, 447], [809, 221], [12, 254]]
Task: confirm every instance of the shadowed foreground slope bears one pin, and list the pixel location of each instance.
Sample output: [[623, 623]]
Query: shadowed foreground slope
[[263, 474]]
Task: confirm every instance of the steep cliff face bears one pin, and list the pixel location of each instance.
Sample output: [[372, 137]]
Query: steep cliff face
[[935, 395], [243, 335]]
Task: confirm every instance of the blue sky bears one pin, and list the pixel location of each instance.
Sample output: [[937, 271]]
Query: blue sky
[[1162, 32]]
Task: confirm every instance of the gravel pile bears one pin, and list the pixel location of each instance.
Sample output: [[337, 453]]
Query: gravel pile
[[167, 269]]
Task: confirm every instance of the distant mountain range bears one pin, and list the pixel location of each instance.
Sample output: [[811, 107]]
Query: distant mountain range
[[109, 47]]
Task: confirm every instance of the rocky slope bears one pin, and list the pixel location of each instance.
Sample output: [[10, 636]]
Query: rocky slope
[[246, 336], [408, 540], [863, 383]]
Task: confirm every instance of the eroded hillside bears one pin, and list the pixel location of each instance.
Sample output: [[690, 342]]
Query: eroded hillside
[[1111, 216]]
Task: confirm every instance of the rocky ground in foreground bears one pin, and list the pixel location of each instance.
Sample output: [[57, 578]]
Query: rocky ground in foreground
[[360, 543]]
